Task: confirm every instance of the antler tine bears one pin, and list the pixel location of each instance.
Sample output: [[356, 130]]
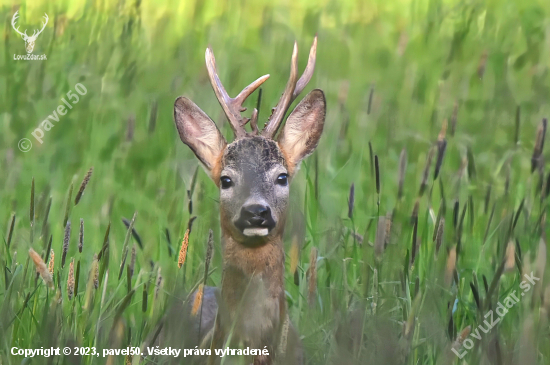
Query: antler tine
[[231, 106], [279, 112], [243, 95], [13, 19], [221, 94], [292, 90], [45, 23], [254, 121], [308, 72]]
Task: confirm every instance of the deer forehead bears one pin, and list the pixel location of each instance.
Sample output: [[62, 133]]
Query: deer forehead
[[254, 155]]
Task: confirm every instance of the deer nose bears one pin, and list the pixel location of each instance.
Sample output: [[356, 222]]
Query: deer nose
[[255, 214]]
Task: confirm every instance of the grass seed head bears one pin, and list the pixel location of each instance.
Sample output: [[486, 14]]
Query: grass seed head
[[190, 223], [510, 257], [41, 268], [441, 148], [377, 173], [66, 240], [132, 260], [70, 280], [158, 283], [351, 201], [209, 248], [83, 185], [51, 263], [389, 222], [81, 236], [461, 337], [131, 223], [12, 225], [183, 250], [450, 267], [68, 205], [95, 271], [197, 302], [371, 159]]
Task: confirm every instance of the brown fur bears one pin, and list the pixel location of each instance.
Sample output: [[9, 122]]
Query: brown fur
[[253, 298]]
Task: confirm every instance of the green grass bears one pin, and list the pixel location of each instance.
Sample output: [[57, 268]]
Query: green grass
[[392, 73]]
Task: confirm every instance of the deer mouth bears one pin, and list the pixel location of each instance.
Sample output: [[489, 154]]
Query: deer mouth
[[255, 227]]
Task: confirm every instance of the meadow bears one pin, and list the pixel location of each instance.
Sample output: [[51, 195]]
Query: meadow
[[419, 214]]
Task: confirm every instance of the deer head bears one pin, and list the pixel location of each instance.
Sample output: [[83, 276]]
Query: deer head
[[29, 40], [253, 172]]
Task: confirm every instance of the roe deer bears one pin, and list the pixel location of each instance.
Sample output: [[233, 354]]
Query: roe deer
[[253, 174]]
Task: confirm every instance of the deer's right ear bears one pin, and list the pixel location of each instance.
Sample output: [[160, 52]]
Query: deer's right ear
[[200, 133]]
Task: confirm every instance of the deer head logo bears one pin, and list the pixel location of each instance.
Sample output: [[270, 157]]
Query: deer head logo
[[29, 40]]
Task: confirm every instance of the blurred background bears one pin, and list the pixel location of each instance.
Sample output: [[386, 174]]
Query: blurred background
[[396, 74]]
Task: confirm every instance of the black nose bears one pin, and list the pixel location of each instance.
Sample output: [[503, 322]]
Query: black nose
[[254, 210], [255, 214]]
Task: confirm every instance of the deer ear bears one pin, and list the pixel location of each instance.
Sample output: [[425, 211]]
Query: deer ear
[[303, 128], [200, 133]]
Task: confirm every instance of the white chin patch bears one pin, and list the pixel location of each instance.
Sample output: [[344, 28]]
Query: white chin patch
[[250, 232]]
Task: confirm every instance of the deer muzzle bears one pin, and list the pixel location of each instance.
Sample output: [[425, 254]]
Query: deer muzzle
[[255, 220]]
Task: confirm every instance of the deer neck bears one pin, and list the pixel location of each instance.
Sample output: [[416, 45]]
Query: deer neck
[[253, 297], [243, 263]]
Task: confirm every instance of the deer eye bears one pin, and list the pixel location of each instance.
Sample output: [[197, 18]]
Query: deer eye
[[282, 180], [226, 182]]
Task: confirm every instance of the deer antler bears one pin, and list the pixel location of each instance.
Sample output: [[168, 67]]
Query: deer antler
[[233, 107], [34, 34], [13, 19], [292, 90]]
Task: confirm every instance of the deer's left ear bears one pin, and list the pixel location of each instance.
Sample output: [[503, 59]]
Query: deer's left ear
[[303, 129]]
